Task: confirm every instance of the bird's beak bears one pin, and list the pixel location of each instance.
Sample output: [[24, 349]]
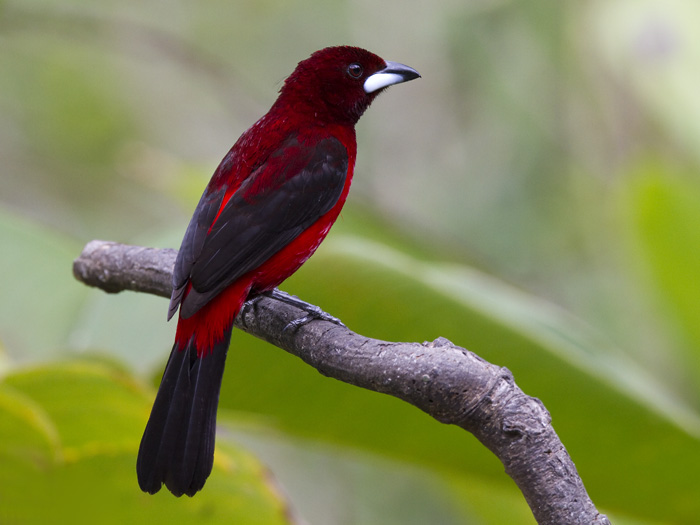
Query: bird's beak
[[393, 73]]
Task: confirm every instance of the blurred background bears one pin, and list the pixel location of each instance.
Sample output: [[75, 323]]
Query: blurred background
[[535, 198]]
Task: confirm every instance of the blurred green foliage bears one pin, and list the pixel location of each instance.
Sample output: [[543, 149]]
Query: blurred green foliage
[[534, 197]]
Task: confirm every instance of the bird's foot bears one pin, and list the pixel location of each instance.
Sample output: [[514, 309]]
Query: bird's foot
[[313, 312], [250, 303]]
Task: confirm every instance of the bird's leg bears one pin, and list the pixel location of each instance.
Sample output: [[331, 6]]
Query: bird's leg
[[313, 312]]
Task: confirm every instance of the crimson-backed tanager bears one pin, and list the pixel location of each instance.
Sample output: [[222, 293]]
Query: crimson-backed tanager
[[268, 206]]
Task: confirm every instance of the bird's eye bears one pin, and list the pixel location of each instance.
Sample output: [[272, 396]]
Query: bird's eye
[[355, 70]]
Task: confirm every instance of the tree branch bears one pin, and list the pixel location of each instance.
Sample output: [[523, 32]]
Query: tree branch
[[450, 383]]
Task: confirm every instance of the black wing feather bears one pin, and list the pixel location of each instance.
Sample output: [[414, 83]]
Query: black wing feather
[[192, 244], [252, 228]]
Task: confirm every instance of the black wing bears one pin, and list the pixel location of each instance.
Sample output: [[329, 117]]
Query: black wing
[[253, 227]]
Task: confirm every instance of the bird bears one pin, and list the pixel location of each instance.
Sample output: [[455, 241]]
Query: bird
[[269, 204]]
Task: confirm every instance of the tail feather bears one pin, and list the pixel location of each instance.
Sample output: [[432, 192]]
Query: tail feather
[[177, 448]]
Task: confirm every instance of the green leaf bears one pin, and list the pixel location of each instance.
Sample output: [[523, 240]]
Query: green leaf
[[70, 433], [28, 437], [76, 418], [42, 298], [664, 210]]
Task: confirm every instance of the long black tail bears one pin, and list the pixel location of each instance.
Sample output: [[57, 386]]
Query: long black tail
[[177, 447]]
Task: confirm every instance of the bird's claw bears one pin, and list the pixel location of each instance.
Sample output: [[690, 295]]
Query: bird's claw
[[250, 303], [313, 312]]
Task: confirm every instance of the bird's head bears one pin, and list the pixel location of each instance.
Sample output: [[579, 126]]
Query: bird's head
[[337, 84]]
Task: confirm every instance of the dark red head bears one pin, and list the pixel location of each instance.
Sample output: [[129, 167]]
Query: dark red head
[[337, 84]]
